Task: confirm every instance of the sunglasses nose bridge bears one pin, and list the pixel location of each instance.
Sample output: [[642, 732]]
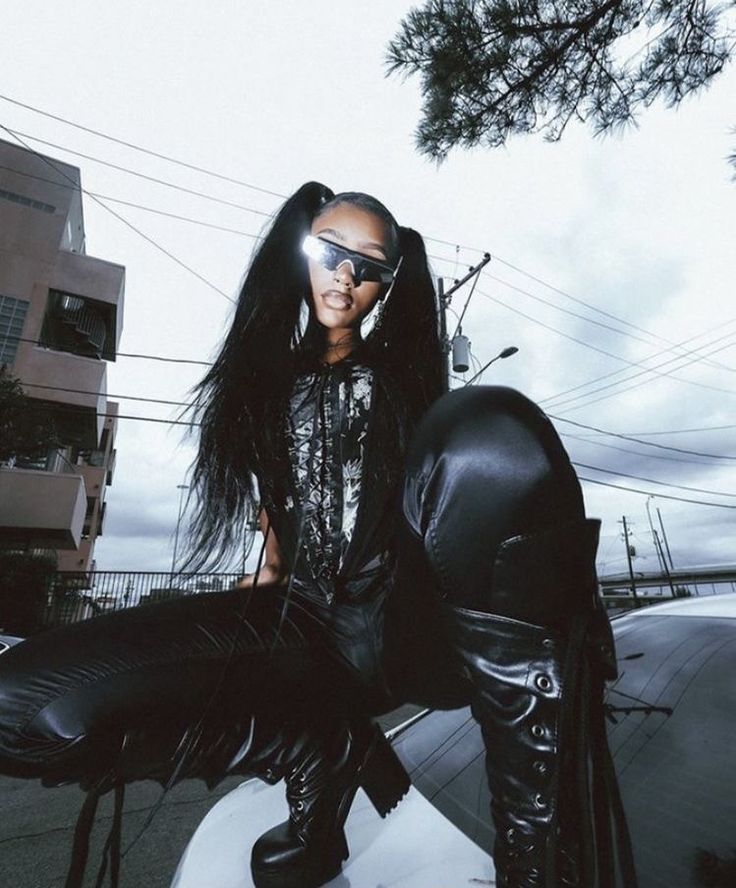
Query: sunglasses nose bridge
[[340, 270]]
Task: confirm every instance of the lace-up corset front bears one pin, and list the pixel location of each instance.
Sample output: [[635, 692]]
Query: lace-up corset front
[[327, 427]]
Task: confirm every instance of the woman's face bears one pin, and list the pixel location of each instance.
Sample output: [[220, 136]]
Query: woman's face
[[339, 301]]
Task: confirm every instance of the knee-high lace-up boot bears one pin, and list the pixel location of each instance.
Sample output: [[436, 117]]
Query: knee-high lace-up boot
[[308, 849], [538, 657]]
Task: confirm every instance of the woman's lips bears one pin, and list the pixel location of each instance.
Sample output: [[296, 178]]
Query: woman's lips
[[337, 300]]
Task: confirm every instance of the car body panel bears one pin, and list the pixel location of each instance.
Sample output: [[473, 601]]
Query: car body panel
[[674, 706], [8, 641], [414, 847]]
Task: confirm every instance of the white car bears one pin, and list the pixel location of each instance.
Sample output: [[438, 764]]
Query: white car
[[673, 742]]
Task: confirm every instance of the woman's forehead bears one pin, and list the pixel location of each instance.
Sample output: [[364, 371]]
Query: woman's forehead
[[349, 224]]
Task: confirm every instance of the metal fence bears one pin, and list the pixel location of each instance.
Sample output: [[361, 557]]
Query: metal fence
[[78, 596]]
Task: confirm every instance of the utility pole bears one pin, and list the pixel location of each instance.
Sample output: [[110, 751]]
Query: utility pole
[[628, 558], [181, 488], [444, 340], [657, 544], [664, 564], [444, 302], [664, 537]]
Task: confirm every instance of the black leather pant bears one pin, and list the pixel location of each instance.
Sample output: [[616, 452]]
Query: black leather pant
[[484, 466], [128, 687]]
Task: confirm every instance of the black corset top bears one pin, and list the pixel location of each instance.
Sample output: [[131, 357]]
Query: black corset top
[[327, 425]]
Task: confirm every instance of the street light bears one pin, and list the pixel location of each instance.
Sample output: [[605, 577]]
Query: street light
[[181, 488], [506, 353]]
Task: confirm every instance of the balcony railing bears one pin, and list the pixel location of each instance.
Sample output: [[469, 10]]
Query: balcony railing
[[77, 596], [52, 461]]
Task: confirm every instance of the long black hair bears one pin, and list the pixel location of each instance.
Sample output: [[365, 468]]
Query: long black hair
[[241, 402]]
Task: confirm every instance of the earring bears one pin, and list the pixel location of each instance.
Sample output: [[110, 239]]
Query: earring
[[378, 315]]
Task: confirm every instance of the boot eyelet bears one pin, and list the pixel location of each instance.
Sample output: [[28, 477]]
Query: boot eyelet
[[299, 805], [537, 731], [543, 682], [540, 767], [547, 642], [538, 801], [511, 835], [302, 778]]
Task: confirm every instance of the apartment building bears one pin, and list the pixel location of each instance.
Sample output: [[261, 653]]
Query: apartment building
[[61, 315]]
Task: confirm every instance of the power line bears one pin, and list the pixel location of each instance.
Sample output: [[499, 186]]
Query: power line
[[157, 181], [566, 311], [188, 404], [71, 391], [645, 370], [582, 425], [250, 235], [148, 151], [679, 499], [250, 185], [648, 358], [600, 350], [136, 206], [12, 133], [678, 459], [67, 409], [181, 218], [653, 480], [120, 218], [583, 342], [672, 346], [171, 403], [120, 354], [194, 424], [682, 431], [250, 209], [534, 320], [565, 294]]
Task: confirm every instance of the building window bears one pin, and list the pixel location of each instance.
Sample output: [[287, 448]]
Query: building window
[[26, 201], [12, 317]]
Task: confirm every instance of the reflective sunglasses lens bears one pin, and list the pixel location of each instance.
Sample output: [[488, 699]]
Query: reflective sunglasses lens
[[331, 256]]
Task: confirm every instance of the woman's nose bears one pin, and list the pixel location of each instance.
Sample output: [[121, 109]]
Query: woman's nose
[[345, 273]]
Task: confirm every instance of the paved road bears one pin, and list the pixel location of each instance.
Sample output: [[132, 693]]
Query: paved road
[[36, 826]]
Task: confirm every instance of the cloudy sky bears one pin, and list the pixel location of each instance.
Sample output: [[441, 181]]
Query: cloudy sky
[[612, 266]]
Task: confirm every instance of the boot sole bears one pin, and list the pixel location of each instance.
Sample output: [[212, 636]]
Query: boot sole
[[384, 780], [300, 877]]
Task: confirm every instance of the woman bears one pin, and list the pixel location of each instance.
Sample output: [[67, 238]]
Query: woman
[[458, 568]]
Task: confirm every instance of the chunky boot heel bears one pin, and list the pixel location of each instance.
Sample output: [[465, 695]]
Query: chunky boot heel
[[308, 849], [383, 778]]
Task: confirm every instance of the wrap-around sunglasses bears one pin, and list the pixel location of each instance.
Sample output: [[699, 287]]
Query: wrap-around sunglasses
[[331, 256]]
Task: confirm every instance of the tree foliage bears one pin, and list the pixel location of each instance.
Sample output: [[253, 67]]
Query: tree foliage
[[493, 68], [23, 433]]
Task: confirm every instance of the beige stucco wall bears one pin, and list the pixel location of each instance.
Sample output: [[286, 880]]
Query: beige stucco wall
[[44, 509], [42, 250]]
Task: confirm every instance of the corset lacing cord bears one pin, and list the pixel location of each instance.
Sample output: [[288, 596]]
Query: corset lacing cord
[[311, 451]]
